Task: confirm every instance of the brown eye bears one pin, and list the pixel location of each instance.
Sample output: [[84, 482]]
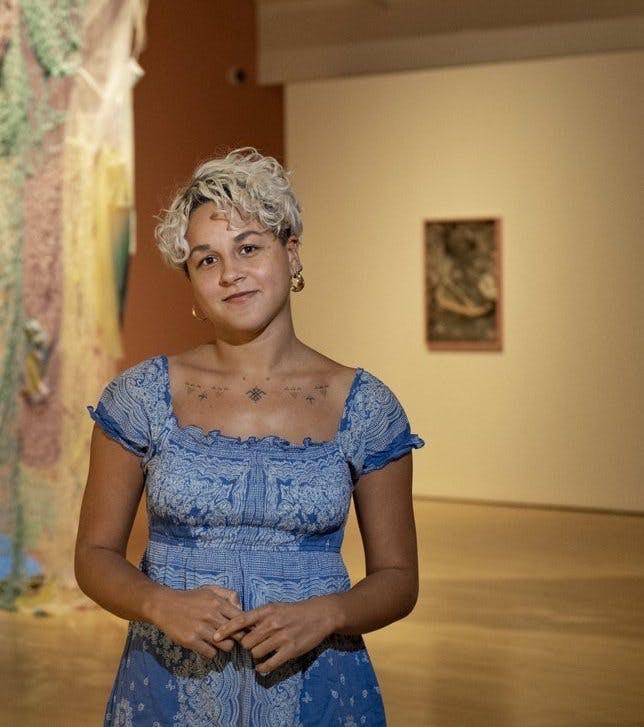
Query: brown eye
[[254, 247], [208, 257]]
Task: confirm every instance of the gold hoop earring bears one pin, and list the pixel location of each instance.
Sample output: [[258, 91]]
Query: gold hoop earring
[[298, 283], [194, 314]]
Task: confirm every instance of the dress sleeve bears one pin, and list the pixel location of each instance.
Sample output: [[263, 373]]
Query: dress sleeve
[[121, 411], [386, 432]]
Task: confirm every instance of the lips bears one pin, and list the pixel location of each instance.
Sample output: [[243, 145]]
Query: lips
[[245, 293]]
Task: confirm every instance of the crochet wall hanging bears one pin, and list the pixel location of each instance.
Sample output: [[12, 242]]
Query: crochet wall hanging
[[67, 69]]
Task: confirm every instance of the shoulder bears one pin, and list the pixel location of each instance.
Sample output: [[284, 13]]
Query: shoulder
[[316, 364], [141, 384], [191, 358], [377, 429], [138, 377], [374, 407], [370, 402], [372, 392], [123, 410], [340, 380], [143, 368], [336, 373]]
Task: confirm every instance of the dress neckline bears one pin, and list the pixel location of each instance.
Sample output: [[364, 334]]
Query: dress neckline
[[267, 438]]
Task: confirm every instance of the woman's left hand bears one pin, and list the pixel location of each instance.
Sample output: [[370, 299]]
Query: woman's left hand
[[289, 629]]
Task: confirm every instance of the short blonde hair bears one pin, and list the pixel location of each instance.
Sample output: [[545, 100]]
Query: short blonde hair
[[256, 186]]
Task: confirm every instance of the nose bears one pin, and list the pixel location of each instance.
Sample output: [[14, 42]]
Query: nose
[[230, 274]]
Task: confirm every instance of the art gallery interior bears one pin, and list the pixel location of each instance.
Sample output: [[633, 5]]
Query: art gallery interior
[[528, 497]]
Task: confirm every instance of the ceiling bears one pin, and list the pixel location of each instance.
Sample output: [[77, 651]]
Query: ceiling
[[305, 39]]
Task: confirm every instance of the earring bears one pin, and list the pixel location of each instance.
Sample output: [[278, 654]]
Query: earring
[[194, 313], [298, 283]]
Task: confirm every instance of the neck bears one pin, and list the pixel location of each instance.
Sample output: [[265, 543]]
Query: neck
[[269, 354]]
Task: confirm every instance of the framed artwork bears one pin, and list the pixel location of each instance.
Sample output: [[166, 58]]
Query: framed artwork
[[463, 284]]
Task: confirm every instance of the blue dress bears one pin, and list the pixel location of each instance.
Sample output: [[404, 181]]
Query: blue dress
[[264, 517]]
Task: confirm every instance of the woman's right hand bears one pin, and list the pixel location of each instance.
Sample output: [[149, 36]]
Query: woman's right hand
[[191, 617]]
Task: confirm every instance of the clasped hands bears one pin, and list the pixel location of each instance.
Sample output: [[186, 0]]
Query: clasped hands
[[288, 629], [209, 617]]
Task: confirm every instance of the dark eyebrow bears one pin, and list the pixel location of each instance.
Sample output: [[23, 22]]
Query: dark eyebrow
[[238, 238], [243, 235]]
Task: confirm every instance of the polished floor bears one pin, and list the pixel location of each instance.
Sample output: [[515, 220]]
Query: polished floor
[[526, 618]]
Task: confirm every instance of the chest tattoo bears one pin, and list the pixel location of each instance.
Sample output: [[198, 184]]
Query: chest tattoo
[[201, 392], [256, 393]]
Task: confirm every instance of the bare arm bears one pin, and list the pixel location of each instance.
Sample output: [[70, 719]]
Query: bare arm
[[114, 486], [384, 508]]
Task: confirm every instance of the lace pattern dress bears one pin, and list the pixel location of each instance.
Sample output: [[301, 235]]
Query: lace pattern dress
[[262, 516]]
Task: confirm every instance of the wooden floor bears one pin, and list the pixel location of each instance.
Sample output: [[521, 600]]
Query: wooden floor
[[526, 618]]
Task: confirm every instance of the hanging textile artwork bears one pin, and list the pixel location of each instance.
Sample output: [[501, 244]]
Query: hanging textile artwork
[[67, 69]]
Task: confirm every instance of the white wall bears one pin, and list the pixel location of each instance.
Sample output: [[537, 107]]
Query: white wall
[[556, 149]]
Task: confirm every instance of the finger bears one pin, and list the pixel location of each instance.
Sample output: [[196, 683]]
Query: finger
[[232, 638], [260, 647], [218, 623], [239, 635], [233, 597], [205, 635], [222, 620], [226, 593], [205, 649], [257, 635], [236, 623], [219, 590], [244, 620], [272, 662], [227, 609], [214, 620], [226, 645]]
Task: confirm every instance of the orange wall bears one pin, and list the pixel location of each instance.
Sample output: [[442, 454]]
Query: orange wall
[[184, 111]]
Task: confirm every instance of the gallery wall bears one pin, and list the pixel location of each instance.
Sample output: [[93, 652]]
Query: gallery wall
[[555, 149]]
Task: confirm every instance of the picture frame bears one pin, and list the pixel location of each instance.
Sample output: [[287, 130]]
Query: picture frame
[[463, 284]]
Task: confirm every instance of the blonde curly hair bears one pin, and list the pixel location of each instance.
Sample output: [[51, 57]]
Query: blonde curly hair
[[256, 186]]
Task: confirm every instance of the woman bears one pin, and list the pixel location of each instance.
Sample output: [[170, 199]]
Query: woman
[[251, 447]]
